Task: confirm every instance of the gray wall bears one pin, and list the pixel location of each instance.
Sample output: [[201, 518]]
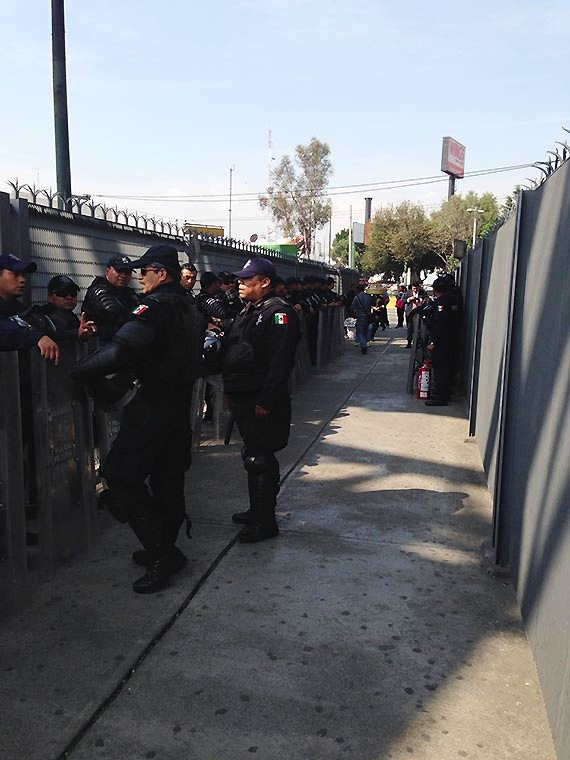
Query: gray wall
[[518, 383], [79, 245]]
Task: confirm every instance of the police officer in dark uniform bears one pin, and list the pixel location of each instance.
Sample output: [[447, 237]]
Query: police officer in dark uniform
[[440, 325], [154, 440], [109, 300], [15, 332], [260, 355], [57, 317]]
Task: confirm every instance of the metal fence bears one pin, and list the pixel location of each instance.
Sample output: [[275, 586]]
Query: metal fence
[[51, 443], [517, 382]]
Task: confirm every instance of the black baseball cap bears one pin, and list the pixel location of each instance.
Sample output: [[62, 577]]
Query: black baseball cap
[[226, 277], [15, 264], [255, 266], [120, 263], [164, 256], [61, 283]]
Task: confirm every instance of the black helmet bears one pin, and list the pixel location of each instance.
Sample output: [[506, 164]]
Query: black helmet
[[212, 354]]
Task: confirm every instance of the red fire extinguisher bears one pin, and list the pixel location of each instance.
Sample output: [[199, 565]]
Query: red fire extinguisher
[[424, 374]]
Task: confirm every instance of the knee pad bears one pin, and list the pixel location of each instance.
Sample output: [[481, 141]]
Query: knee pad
[[116, 504], [260, 461]]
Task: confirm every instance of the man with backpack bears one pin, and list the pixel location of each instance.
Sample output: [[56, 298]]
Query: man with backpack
[[160, 344]]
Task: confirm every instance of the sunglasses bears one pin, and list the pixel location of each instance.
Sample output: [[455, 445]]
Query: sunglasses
[[66, 294], [148, 269]]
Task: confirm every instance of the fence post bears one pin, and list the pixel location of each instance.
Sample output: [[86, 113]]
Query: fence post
[[500, 520]]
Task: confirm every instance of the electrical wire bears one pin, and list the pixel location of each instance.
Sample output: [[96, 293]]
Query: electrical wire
[[330, 192]]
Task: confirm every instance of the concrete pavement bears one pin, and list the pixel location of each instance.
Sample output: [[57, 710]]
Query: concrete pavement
[[366, 630]]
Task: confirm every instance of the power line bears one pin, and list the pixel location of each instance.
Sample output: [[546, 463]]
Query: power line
[[330, 192]]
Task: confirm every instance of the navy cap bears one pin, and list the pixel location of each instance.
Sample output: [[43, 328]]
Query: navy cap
[[120, 263], [252, 267], [14, 264], [165, 256], [62, 283]]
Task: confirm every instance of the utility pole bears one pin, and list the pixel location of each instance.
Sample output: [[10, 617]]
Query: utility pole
[[350, 244], [475, 211], [330, 235], [63, 169], [230, 209]]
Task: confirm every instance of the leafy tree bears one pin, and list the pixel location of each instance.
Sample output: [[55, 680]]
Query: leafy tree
[[453, 222], [339, 250], [399, 237], [295, 197], [510, 203]]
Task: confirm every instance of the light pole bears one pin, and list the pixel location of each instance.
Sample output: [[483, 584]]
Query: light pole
[[475, 211], [230, 208]]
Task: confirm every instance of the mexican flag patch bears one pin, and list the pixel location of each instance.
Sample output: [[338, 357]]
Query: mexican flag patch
[[140, 310], [280, 318]]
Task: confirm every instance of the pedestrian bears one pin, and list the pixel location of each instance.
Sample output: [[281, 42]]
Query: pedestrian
[[440, 324], [154, 440], [260, 355], [414, 299], [109, 300], [361, 309], [401, 304], [15, 333]]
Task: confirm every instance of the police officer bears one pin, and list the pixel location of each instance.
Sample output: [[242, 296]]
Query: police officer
[[154, 440], [440, 325], [109, 300], [16, 333], [57, 317], [260, 355]]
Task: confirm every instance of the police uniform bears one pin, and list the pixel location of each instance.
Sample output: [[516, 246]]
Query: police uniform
[[106, 305], [154, 440], [260, 354], [440, 324], [15, 333]]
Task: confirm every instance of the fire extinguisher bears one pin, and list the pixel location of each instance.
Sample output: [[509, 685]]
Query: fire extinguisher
[[424, 374]]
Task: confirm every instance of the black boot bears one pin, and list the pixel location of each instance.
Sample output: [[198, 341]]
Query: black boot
[[263, 489], [157, 575], [243, 518], [143, 558]]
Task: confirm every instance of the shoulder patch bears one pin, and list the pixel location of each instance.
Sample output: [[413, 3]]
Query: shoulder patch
[[140, 309], [280, 318], [441, 308]]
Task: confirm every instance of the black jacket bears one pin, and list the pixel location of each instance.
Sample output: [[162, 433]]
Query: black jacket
[[107, 306], [261, 349], [15, 333]]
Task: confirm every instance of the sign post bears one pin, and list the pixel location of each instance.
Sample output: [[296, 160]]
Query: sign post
[[452, 162]]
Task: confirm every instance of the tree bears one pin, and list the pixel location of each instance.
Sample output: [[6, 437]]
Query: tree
[[295, 197], [453, 222], [399, 237], [510, 203], [339, 250]]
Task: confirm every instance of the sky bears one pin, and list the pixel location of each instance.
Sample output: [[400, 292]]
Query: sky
[[166, 98]]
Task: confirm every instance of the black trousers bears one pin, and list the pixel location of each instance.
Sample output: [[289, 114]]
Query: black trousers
[[262, 433], [155, 447], [442, 372], [262, 437]]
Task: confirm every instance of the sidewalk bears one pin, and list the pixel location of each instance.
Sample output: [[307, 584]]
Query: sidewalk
[[367, 630]]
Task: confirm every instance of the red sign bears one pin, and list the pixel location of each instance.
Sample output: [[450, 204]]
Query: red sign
[[453, 157]]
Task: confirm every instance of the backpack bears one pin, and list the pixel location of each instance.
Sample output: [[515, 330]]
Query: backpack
[[186, 335]]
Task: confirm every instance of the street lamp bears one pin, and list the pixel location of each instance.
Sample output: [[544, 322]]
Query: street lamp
[[475, 211]]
